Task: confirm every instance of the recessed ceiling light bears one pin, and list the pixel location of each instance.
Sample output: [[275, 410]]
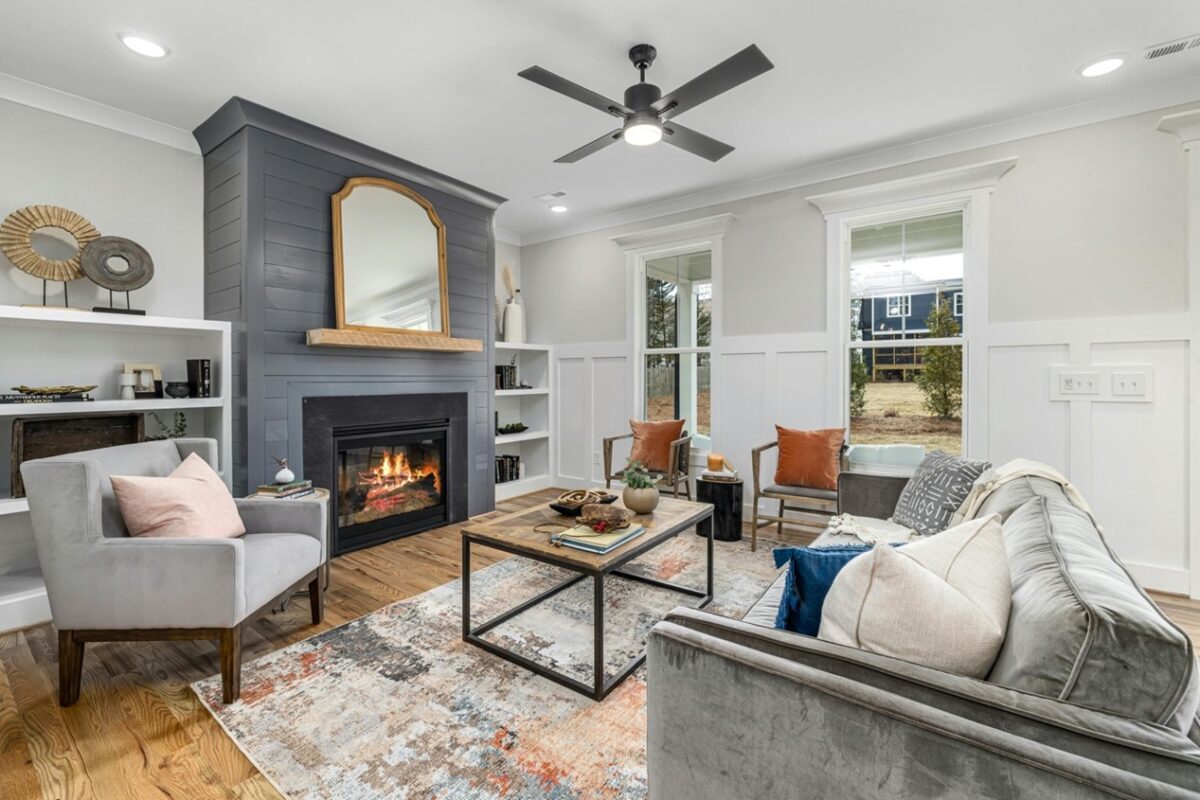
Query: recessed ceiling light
[[142, 45], [1102, 66], [558, 208]]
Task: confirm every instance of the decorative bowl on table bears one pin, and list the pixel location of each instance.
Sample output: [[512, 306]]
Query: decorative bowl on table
[[512, 427], [570, 504]]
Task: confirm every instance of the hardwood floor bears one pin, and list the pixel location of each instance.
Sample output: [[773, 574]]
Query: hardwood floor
[[138, 730]]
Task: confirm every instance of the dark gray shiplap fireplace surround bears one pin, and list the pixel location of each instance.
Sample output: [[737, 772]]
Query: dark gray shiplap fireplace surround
[[268, 180]]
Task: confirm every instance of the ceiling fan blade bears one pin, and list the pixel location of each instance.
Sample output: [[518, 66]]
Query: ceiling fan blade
[[589, 148], [733, 71], [695, 143], [575, 91]]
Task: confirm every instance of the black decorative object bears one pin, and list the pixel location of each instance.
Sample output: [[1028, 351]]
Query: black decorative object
[[140, 269], [199, 371], [726, 499], [177, 389]]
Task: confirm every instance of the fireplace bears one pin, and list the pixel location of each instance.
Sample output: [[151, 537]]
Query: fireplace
[[389, 483], [394, 464]]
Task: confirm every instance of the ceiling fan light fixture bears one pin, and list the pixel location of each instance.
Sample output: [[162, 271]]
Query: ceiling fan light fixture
[[643, 129]]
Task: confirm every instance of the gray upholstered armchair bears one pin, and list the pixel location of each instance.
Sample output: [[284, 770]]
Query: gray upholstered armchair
[[106, 586]]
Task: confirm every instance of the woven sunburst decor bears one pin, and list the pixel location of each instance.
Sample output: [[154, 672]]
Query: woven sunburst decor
[[15, 241]]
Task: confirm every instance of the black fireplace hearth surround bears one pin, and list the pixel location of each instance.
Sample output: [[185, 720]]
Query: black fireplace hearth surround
[[394, 464]]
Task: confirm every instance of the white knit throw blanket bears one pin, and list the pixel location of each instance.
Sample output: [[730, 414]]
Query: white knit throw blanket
[[870, 530], [994, 478]]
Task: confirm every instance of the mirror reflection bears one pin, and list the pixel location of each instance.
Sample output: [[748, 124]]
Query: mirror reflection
[[391, 268]]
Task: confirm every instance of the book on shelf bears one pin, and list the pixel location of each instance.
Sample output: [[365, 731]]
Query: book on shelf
[[29, 399], [288, 495], [508, 468], [506, 376], [283, 488], [582, 537]]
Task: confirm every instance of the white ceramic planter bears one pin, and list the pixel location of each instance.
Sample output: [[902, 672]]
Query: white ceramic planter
[[640, 501]]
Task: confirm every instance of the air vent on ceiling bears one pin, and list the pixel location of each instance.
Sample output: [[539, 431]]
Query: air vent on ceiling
[[1172, 47], [548, 196]]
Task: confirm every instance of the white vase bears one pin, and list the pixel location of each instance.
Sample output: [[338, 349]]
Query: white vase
[[514, 321], [285, 475]]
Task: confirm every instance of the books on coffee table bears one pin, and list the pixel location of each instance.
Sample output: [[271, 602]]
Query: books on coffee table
[[582, 537], [285, 490]]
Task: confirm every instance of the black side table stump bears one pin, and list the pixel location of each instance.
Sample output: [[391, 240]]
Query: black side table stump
[[726, 499]]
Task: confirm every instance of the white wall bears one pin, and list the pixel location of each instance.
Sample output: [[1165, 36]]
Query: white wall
[[124, 185], [1088, 265]]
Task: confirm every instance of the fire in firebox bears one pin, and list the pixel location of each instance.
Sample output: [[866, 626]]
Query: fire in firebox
[[378, 482]]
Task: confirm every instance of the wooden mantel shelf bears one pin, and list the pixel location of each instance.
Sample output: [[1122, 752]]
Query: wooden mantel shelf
[[381, 340]]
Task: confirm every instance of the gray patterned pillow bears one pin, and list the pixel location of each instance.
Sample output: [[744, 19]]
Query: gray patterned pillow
[[935, 491]]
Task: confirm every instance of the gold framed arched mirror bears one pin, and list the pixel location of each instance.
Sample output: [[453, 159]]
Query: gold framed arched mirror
[[389, 260]]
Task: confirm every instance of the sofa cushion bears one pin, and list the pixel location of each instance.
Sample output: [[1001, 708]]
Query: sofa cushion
[[1082, 630], [809, 458], [805, 492], [935, 491], [191, 502], [941, 602], [1012, 495], [652, 443], [274, 562], [810, 573]]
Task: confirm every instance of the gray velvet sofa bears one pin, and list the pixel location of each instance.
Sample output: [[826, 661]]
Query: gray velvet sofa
[[1093, 695]]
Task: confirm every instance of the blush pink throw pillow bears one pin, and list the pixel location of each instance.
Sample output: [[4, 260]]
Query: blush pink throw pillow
[[192, 502]]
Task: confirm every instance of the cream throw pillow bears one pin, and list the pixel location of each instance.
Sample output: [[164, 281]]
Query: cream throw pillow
[[191, 502], [941, 601]]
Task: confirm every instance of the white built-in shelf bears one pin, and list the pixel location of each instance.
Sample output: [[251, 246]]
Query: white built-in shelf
[[103, 406], [51, 346], [524, 436], [540, 348], [520, 392], [530, 483], [13, 505], [49, 317]]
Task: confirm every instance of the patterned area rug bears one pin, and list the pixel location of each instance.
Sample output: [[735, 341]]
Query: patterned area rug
[[396, 705]]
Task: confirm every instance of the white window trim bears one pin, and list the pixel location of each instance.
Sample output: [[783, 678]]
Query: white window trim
[[957, 308], [642, 246], [967, 189]]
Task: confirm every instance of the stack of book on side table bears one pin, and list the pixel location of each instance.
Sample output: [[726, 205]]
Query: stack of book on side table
[[581, 537], [285, 491]]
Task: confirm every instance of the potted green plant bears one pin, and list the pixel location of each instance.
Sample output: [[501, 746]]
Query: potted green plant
[[640, 495]]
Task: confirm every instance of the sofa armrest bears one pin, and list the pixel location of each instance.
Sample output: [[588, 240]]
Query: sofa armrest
[[714, 682], [282, 516], [151, 583], [866, 494]]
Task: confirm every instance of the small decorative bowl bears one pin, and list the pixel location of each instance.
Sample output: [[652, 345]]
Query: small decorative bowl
[[515, 427], [176, 389]]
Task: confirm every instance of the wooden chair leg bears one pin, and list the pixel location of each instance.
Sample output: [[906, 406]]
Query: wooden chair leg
[[316, 600], [754, 525], [231, 664], [70, 668], [779, 525]]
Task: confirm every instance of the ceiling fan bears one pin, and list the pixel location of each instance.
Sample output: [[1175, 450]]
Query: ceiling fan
[[648, 114]]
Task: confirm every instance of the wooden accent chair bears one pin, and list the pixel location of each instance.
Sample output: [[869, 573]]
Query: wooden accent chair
[[674, 480], [106, 586], [814, 505]]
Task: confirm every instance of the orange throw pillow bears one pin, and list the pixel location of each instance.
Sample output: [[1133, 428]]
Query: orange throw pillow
[[652, 442], [809, 458]]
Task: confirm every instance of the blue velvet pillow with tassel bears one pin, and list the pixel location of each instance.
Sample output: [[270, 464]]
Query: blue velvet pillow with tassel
[[811, 571]]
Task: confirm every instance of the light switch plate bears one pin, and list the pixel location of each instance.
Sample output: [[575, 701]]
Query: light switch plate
[[1102, 383]]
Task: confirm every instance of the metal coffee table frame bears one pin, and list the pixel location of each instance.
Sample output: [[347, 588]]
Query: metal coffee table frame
[[601, 684]]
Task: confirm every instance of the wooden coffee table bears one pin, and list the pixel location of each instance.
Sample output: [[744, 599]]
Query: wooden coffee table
[[515, 534]]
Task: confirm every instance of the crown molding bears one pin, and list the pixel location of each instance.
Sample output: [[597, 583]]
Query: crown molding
[[680, 231], [1162, 96], [1185, 125], [64, 104], [959, 180]]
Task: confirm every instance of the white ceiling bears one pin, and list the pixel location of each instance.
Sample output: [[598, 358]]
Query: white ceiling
[[435, 82]]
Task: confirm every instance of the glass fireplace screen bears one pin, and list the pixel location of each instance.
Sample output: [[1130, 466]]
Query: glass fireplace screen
[[380, 481]]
